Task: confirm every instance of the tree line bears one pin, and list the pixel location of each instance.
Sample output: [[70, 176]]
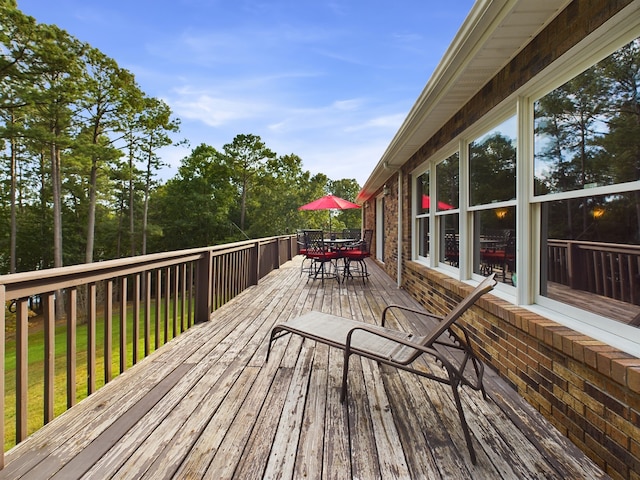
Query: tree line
[[79, 164]]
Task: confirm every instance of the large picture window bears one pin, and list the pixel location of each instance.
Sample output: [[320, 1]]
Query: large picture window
[[586, 172]]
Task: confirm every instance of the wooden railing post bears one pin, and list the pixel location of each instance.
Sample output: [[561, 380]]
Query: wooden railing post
[[204, 280], [256, 271]]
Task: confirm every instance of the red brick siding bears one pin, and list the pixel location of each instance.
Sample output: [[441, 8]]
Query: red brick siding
[[587, 389]]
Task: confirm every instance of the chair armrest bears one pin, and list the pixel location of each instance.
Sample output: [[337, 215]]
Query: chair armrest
[[456, 373], [409, 309], [390, 336]]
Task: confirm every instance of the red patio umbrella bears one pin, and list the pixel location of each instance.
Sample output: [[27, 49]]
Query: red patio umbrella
[[329, 202], [426, 203]]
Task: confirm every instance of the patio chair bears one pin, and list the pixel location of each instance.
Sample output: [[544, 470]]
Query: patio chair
[[357, 253], [400, 349], [324, 261], [302, 250], [353, 233]]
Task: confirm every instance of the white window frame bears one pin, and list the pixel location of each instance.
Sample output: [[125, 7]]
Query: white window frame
[[617, 32]]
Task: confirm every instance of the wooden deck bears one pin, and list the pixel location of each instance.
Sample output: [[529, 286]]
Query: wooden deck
[[206, 405]]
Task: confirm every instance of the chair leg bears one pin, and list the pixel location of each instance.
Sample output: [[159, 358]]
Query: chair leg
[[365, 272], [345, 374], [463, 421], [302, 269], [271, 338]]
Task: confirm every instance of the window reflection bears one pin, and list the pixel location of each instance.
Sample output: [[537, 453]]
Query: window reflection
[[422, 193], [495, 244], [448, 220], [423, 228], [492, 165], [590, 249], [587, 132], [450, 239], [422, 207], [448, 183]]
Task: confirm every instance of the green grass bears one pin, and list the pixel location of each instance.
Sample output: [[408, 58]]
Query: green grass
[[36, 342]]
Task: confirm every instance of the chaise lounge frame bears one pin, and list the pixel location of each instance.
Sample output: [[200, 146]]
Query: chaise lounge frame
[[400, 349]]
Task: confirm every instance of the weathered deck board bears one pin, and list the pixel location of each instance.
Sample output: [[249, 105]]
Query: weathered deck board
[[207, 405]]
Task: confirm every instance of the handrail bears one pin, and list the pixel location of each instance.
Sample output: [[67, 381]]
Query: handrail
[[151, 298]]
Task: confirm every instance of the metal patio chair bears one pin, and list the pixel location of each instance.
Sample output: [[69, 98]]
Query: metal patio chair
[[324, 261], [400, 349]]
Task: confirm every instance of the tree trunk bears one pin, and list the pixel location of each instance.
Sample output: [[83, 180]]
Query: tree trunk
[[56, 191], [145, 213], [132, 239], [91, 220], [14, 227], [243, 205]]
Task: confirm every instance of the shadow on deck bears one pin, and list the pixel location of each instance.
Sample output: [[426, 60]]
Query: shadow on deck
[[206, 405]]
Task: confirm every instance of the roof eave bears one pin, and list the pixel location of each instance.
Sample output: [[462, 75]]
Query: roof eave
[[468, 64]]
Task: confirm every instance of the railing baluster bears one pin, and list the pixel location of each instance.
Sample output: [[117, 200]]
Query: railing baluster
[[91, 338], [158, 304], [72, 308], [147, 313], [22, 366], [176, 277], [191, 295], [108, 330], [183, 298], [123, 324], [136, 317], [49, 355], [167, 303], [217, 290], [632, 269]]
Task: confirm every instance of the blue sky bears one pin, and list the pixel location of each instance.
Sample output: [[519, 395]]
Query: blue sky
[[330, 81]]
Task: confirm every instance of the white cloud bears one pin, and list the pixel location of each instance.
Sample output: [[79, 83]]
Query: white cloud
[[215, 111]]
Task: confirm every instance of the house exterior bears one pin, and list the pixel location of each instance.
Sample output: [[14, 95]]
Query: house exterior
[[522, 157]]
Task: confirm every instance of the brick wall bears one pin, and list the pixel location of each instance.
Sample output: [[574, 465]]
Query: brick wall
[[587, 389]]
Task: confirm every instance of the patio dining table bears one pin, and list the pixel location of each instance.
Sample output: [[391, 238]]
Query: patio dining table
[[339, 243]]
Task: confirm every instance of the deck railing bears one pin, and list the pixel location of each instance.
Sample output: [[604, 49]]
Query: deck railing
[[607, 269], [142, 302]]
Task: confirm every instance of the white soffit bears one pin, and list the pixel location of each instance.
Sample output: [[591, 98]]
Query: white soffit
[[493, 33]]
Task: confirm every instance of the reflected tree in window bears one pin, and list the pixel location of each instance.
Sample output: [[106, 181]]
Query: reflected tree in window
[[569, 122], [448, 182], [492, 169], [587, 134]]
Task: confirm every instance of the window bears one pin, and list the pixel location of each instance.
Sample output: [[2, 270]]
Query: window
[[492, 193], [422, 218], [586, 175], [446, 206]]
